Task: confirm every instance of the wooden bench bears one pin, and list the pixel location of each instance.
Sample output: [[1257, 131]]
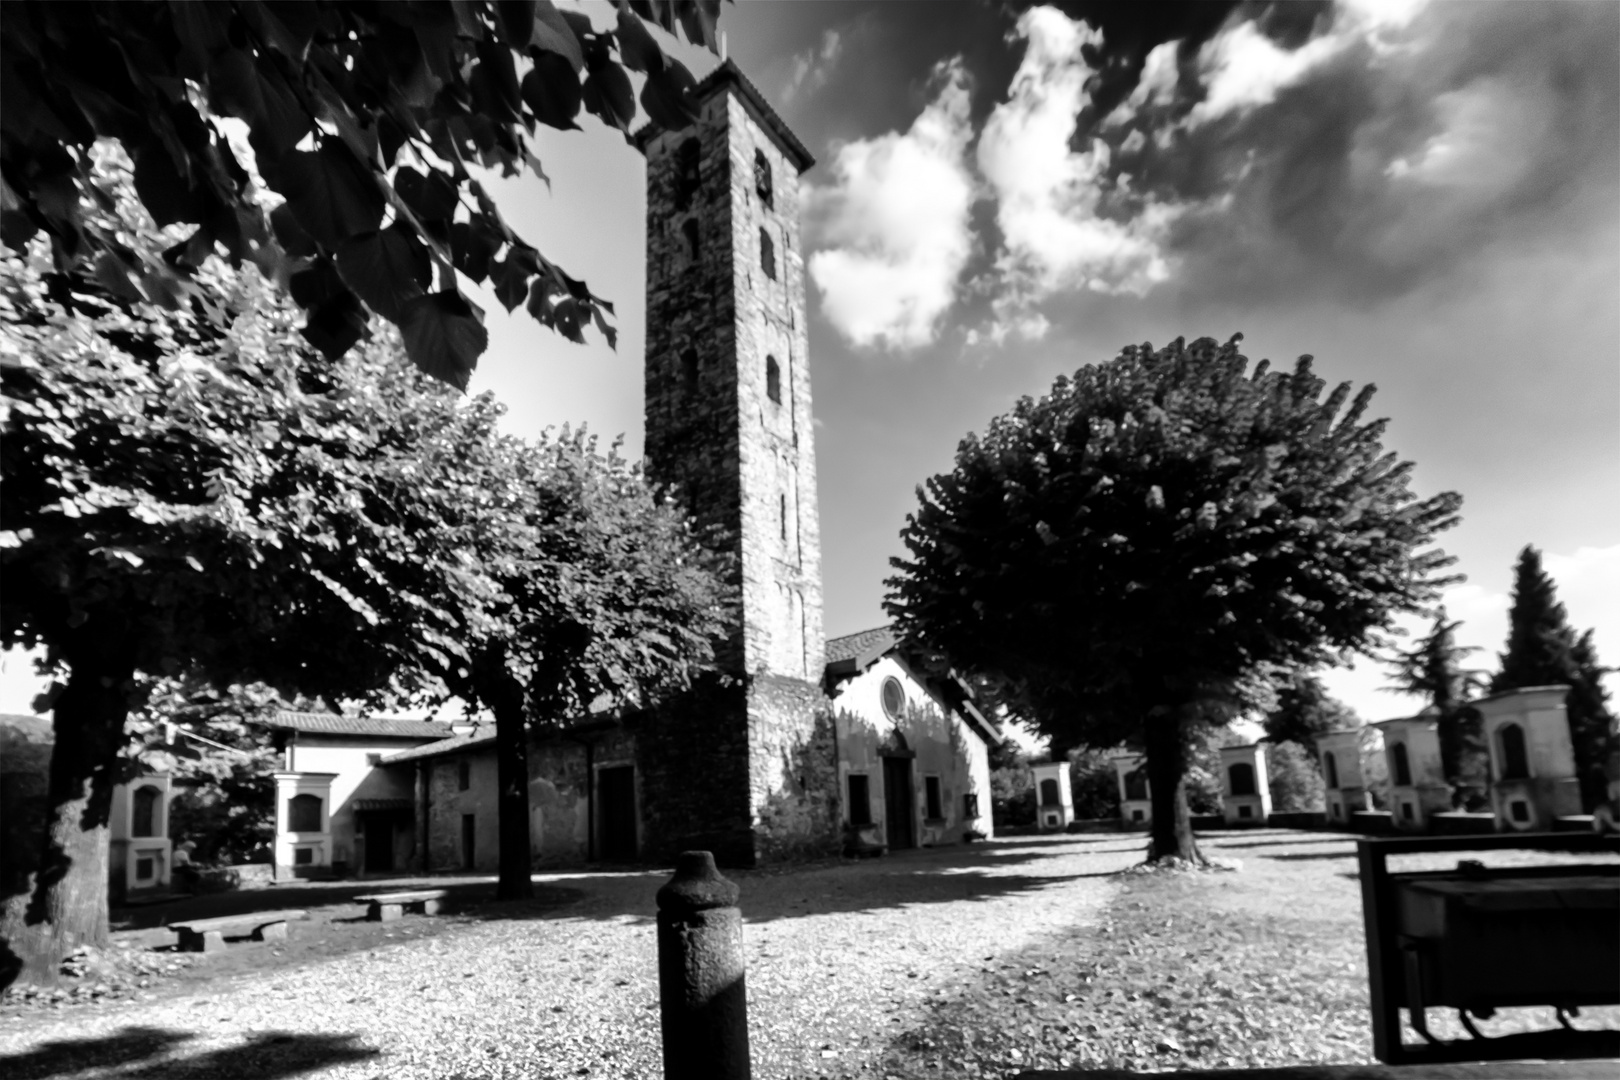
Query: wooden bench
[[208, 935], [386, 907]]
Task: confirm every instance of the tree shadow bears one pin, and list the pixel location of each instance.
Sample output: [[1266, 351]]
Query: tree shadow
[[1301, 856], [267, 1055], [458, 895], [1290, 843]]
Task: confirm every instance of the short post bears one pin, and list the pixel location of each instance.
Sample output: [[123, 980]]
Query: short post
[[703, 1003]]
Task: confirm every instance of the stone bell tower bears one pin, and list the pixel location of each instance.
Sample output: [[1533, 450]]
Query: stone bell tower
[[737, 765]]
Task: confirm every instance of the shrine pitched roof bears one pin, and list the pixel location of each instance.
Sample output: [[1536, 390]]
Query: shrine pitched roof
[[467, 740]]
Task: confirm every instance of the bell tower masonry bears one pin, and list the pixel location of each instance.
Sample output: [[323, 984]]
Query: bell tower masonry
[[737, 765]]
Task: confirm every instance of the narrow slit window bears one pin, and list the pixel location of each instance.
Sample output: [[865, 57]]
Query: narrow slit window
[[687, 174], [762, 180], [936, 805], [1515, 762], [1330, 770], [145, 813], [784, 516], [860, 800], [767, 253], [1400, 766], [689, 371], [773, 379], [689, 229], [463, 775]]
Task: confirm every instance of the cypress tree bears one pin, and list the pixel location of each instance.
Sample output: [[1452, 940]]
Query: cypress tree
[[1543, 650], [1434, 669]]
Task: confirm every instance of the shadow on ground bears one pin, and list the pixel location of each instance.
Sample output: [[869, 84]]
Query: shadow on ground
[[268, 1055]]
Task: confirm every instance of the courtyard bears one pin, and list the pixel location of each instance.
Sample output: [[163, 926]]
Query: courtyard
[[978, 960]]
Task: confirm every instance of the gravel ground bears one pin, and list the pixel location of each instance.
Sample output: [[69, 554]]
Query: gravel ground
[[977, 961], [841, 960]]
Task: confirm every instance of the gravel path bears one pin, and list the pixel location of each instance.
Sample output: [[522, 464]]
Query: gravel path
[[841, 960]]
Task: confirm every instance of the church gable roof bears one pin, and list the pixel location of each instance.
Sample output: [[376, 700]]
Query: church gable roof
[[853, 653]]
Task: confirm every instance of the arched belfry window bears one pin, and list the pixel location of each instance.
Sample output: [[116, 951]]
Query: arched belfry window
[[1242, 778], [767, 253], [687, 158], [762, 180], [1515, 762], [1400, 766], [1049, 793], [773, 379], [689, 229], [689, 371], [1330, 770]]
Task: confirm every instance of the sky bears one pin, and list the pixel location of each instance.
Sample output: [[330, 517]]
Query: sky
[[1422, 196]]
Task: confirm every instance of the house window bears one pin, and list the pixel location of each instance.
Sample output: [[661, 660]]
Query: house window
[[688, 156], [773, 379], [373, 759], [689, 229], [145, 869], [463, 775], [762, 180], [970, 805], [1515, 762], [303, 856], [1136, 815], [304, 813], [1049, 792], [767, 253], [1399, 766], [936, 807], [469, 833], [860, 799], [1330, 770], [1242, 778], [894, 698], [689, 371], [144, 812]]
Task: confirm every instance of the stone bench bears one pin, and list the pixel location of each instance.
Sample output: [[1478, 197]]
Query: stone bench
[[208, 935], [386, 907]]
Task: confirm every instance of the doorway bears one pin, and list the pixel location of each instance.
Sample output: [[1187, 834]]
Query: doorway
[[616, 805], [378, 828], [899, 803]]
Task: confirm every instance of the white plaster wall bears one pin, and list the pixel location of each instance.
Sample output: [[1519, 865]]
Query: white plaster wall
[[354, 778], [945, 745]]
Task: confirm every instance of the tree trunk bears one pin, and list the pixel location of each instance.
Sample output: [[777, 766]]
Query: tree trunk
[[64, 902], [1165, 740], [504, 696]]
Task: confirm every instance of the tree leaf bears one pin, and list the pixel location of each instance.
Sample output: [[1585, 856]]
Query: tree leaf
[[332, 195], [552, 34], [637, 47], [552, 90], [609, 96], [386, 268], [431, 198], [444, 336], [667, 97]]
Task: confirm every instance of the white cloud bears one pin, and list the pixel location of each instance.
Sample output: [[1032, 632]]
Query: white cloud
[[1049, 197], [895, 224], [813, 66], [1243, 69]]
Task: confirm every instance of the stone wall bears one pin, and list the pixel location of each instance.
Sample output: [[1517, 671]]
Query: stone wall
[[793, 770], [447, 804]]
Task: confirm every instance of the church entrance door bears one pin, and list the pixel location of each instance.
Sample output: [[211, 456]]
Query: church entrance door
[[899, 803], [378, 828], [616, 805]]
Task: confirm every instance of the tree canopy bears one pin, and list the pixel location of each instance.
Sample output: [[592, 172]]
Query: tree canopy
[[1305, 710], [1141, 548], [364, 120], [195, 491], [1543, 650], [606, 600]]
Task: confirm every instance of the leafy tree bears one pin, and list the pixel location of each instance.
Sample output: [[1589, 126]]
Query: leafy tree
[[1542, 650], [1433, 668], [605, 594], [196, 491], [1295, 778], [1305, 710], [1138, 551], [213, 742], [1095, 784], [367, 119]]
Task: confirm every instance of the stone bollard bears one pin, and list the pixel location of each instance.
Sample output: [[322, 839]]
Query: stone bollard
[[700, 974]]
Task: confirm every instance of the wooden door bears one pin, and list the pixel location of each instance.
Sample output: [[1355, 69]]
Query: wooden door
[[378, 825], [899, 803], [616, 813]]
